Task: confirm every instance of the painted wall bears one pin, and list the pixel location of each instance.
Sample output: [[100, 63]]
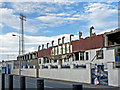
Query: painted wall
[[15, 71], [113, 75], [108, 55], [25, 72], [28, 72], [77, 75]]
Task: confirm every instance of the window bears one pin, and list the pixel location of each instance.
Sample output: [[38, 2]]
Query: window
[[66, 60], [77, 56], [39, 61], [55, 61], [47, 60], [99, 54], [87, 56], [81, 55]]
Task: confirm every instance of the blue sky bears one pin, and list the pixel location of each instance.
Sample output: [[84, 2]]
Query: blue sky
[[47, 21]]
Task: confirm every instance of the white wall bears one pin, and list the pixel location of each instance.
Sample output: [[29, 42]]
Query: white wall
[[15, 71], [25, 72], [28, 72], [113, 75], [77, 75]]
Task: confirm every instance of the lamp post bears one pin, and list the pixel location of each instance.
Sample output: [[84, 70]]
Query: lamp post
[[19, 54]]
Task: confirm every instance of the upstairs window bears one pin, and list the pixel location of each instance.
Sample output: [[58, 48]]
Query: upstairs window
[[99, 54], [55, 61], [77, 56], [81, 55], [87, 56], [39, 61]]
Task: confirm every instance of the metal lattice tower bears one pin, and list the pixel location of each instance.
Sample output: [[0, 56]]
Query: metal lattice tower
[[22, 18]]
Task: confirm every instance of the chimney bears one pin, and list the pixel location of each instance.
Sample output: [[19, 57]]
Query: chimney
[[63, 39], [70, 37], [80, 34], [52, 43], [47, 45], [42, 46], [39, 47], [59, 41], [91, 31]]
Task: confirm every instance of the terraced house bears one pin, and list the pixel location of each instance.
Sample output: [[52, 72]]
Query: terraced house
[[92, 59]]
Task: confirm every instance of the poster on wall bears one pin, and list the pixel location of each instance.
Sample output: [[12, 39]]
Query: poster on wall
[[63, 48]]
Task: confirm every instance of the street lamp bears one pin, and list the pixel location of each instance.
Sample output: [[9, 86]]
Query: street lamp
[[19, 54]]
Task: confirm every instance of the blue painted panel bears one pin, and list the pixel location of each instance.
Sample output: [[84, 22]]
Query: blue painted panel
[[117, 58]]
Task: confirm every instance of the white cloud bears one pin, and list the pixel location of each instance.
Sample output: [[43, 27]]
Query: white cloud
[[49, 18], [1, 25], [8, 18], [1, 4], [63, 14], [47, 31], [60, 1], [101, 15]]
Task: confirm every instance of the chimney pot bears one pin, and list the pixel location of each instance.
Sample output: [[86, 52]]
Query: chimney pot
[[80, 34], [52, 43], [42, 46], [59, 41], [63, 39], [47, 45], [91, 31], [39, 47]]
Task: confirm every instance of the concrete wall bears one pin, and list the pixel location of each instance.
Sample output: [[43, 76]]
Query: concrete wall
[[28, 72], [15, 71], [25, 72], [77, 75]]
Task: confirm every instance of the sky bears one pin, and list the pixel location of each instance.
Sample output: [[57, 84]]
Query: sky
[[47, 21]]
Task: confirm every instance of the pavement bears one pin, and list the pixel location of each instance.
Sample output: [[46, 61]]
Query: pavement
[[60, 85]]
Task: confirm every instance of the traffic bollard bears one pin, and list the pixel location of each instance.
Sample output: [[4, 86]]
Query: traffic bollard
[[22, 82], [40, 84], [10, 77], [77, 86], [3, 82]]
